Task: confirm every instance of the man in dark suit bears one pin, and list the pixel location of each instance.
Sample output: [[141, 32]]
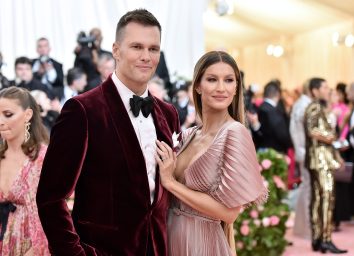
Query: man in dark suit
[[103, 147], [24, 76], [76, 83], [46, 69], [273, 131]]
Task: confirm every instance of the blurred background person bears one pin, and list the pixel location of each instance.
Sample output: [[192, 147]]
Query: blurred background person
[[76, 82], [322, 160], [273, 131], [48, 114], [88, 52], [297, 133], [24, 77], [22, 149], [163, 73], [157, 88], [4, 82], [46, 69], [105, 66]]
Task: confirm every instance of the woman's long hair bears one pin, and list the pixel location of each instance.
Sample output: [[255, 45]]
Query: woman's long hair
[[38, 133]]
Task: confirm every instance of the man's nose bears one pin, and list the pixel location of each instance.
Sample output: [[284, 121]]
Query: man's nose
[[145, 55]]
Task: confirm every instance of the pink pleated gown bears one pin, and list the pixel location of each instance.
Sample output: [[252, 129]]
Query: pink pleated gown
[[229, 172]]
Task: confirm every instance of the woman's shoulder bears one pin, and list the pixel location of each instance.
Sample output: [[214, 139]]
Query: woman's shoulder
[[233, 127]]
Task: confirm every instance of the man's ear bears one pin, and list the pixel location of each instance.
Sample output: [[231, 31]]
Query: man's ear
[[115, 50]]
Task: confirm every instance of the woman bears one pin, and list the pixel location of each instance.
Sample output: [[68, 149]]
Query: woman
[[216, 172], [22, 149]]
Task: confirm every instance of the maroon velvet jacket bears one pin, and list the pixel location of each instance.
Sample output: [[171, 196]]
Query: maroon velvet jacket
[[94, 150]]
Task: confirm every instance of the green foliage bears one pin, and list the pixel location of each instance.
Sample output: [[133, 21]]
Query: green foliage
[[260, 230]]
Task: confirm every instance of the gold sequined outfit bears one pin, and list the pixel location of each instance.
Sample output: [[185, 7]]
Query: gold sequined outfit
[[321, 160]]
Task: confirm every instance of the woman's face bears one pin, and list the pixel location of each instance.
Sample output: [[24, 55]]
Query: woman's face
[[217, 87], [12, 119]]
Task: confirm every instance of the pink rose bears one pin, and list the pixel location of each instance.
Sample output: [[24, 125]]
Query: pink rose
[[245, 230], [279, 182], [254, 214], [245, 222], [239, 245], [287, 159], [257, 222], [266, 222], [266, 164], [274, 220]]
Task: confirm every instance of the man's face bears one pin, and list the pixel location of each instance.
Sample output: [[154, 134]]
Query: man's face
[[43, 48], [106, 68], [24, 72], [79, 84], [323, 92], [137, 55]]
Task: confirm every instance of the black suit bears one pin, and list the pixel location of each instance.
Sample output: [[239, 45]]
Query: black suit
[[32, 85], [274, 131], [59, 81]]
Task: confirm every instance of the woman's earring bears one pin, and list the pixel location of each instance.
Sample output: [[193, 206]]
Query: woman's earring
[[27, 133]]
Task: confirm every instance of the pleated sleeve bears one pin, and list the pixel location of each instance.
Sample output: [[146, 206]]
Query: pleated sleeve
[[239, 182]]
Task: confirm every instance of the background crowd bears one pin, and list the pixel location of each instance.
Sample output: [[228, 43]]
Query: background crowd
[[275, 115]]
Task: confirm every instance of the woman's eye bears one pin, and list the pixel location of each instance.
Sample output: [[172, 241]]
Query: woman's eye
[[8, 115], [230, 80], [211, 79]]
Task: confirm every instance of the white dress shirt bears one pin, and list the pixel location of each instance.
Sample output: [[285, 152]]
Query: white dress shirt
[[145, 132], [68, 94], [49, 76]]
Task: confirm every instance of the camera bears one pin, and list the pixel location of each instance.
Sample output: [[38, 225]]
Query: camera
[[85, 40], [44, 59]]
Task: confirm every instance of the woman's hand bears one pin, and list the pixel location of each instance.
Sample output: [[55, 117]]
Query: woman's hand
[[166, 159]]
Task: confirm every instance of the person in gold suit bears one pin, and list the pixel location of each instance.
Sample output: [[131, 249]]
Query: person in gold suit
[[322, 160]]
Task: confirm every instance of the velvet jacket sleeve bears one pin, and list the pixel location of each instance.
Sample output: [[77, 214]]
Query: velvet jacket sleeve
[[61, 170]]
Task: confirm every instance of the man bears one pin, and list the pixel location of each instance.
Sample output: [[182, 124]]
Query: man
[[4, 82], [273, 129], [297, 133], [76, 82], [46, 69], [103, 147], [350, 93], [88, 52], [24, 76], [321, 161], [105, 66]]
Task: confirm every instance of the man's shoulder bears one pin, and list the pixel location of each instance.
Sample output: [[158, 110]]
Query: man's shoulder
[[55, 62]]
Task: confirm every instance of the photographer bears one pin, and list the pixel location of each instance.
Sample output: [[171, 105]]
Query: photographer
[[3, 80], [88, 52], [46, 69]]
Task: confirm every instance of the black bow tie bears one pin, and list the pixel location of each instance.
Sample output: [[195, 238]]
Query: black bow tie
[[144, 104]]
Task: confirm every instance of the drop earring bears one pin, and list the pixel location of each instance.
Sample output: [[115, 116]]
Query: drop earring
[[27, 133]]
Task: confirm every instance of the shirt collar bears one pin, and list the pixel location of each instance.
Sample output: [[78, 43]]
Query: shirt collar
[[68, 92], [124, 92], [271, 102]]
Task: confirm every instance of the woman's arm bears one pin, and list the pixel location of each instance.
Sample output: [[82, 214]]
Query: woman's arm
[[199, 201]]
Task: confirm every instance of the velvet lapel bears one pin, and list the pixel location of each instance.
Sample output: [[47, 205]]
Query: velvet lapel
[[163, 133], [126, 134]]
